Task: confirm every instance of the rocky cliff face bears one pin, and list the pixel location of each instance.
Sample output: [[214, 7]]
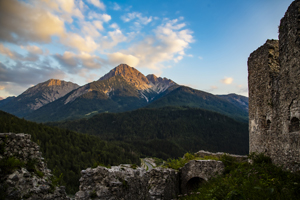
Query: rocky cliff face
[[24, 174], [274, 101], [130, 74], [145, 84], [126, 182], [38, 96]]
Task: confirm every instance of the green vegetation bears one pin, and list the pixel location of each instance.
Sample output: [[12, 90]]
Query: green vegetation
[[185, 96], [8, 165], [66, 152], [167, 132], [260, 180], [180, 162]]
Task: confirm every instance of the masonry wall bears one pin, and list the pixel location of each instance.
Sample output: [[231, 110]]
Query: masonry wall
[[274, 87]]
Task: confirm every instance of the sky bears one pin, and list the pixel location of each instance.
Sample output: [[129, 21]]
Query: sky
[[203, 44]]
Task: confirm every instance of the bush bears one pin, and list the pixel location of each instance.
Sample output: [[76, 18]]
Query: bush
[[10, 164], [260, 180]]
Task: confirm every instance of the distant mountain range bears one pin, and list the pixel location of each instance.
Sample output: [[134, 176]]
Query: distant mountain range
[[37, 96], [122, 89]]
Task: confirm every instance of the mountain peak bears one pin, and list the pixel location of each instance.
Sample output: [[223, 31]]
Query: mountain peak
[[53, 82], [130, 74], [152, 78]]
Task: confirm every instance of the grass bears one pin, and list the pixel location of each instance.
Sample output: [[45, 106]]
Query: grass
[[260, 180], [180, 162]]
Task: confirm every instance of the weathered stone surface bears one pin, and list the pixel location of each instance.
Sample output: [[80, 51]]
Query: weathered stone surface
[[195, 172], [22, 182], [274, 101], [118, 183], [203, 153], [163, 183]]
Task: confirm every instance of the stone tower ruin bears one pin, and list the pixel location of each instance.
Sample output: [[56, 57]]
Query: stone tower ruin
[[274, 88]]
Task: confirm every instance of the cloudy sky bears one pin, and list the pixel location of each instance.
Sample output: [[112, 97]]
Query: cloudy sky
[[202, 44]]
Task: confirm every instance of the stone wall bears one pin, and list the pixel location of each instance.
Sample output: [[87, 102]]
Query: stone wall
[[30, 181], [203, 154], [274, 87], [125, 183], [195, 172]]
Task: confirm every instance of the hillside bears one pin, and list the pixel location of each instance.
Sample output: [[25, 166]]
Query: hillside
[[37, 96], [68, 152], [167, 132], [185, 96], [110, 95]]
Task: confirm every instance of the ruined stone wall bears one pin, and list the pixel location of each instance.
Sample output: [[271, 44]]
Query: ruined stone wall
[[30, 181], [274, 87]]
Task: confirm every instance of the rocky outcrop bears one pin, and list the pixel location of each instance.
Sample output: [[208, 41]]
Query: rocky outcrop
[[130, 74], [195, 172], [118, 183], [274, 100], [124, 182], [24, 174], [163, 183]]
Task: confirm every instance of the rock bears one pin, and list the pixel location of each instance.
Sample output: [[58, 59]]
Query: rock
[[119, 182], [163, 183], [195, 172], [21, 183], [274, 100]]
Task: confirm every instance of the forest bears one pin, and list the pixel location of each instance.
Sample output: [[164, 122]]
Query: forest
[[67, 152], [167, 132]]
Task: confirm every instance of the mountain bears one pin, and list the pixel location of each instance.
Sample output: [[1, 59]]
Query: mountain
[[167, 132], [122, 89], [38, 96], [238, 100], [1, 98], [6, 101], [185, 96]]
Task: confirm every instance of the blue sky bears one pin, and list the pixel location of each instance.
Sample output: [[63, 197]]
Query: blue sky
[[202, 44]]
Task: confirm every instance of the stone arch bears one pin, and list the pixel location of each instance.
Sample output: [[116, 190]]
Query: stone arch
[[294, 125], [194, 183]]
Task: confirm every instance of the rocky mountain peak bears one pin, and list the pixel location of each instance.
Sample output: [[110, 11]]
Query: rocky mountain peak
[[152, 78], [130, 74], [1, 98], [52, 82]]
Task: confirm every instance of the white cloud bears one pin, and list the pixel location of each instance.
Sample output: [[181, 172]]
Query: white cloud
[[213, 87], [168, 43], [227, 80], [98, 25], [142, 20], [19, 77], [16, 56], [117, 58], [201, 58], [21, 23], [97, 3], [101, 17], [114, 38], [67, 5], [33, 49], [91, 29], [74, 40], [116, 6], [74, 62], [114, 25]]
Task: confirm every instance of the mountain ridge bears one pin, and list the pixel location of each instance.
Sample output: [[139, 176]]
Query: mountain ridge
[[122, 89], [37, 96]]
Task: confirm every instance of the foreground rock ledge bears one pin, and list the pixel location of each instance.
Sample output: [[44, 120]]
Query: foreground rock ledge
[[26, 183]]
